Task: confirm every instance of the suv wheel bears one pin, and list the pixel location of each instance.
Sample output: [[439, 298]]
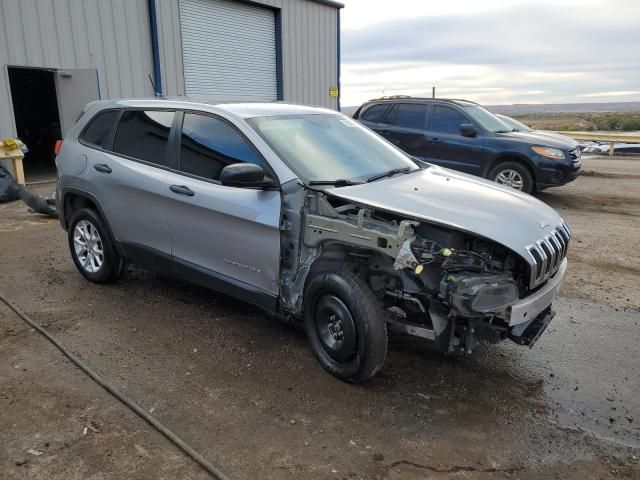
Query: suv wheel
[[514, 175], [345, 325], [91, 248]]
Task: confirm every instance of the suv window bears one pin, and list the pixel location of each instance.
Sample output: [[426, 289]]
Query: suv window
[[447, 119], [374, 113], [144, 135], [99, 128], [409, 115], [209, 144]]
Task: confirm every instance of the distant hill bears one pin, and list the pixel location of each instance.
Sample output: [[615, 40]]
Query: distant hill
[[528, 108], [531, 108]]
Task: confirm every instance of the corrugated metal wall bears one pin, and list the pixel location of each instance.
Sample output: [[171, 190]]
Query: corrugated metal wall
[[111, 36], [309, 46]]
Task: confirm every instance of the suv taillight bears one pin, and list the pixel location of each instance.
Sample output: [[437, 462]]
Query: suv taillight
[[57, 147]]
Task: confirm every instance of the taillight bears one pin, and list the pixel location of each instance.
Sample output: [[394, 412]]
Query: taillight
[[56, 149]]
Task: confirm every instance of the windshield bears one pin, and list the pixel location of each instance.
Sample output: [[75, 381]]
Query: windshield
[[513, 123], [329, 147], [486, 119]]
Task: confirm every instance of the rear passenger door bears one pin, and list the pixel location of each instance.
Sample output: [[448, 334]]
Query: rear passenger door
[[405, 126], [447, 147], [225, 237], [127, 174]]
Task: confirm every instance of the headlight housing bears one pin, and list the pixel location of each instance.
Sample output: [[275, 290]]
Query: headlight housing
[[473, 293], [549, 152]]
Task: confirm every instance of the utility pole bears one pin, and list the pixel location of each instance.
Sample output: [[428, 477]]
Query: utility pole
[[433, 92]]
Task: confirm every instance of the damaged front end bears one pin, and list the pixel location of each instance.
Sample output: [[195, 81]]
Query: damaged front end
[[442, 284]]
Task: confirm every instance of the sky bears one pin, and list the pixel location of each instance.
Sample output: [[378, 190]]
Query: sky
[[492, 52]]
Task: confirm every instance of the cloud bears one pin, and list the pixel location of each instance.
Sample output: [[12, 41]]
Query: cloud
[[552, 52]]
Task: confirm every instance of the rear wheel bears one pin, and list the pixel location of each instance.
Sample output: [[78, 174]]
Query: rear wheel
[[514, 175], [345, 325], [91, 248]]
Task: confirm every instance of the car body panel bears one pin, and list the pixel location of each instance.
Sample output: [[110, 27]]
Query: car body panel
[[229, 230], [460, 201]]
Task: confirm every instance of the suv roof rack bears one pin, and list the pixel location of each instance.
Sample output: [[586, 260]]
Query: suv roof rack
[[400, 97]]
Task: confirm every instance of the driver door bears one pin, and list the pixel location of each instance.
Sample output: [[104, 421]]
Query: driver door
[[227, 238]]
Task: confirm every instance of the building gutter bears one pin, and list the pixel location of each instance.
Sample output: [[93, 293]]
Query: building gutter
[[330, 3], [155, 49]]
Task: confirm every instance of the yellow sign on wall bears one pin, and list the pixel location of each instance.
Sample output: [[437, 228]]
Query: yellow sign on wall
[[333, 92]]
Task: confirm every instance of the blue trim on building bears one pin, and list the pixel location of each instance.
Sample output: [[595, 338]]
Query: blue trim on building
[[279, 62], [338, 59], [155, 49], [98, 84]]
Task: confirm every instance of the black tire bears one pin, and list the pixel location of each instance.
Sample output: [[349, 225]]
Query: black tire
[[360, 353], [528, 183], [112, 265]]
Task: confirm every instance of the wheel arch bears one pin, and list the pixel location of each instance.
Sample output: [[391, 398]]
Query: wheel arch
[[510, 157], [73, 199]]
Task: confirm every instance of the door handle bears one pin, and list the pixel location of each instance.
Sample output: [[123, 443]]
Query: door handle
[[435, 139], [182, 190], [102, 168]]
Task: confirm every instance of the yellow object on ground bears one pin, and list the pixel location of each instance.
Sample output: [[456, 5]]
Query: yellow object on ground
[[11, 149]]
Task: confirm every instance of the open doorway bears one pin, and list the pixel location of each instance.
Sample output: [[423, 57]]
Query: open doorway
[[35, 106]]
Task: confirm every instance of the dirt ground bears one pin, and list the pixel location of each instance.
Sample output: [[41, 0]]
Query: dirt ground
[[244, 390]]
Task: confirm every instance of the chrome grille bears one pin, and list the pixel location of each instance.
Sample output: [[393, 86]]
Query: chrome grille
[[575, 155], [548, 253]]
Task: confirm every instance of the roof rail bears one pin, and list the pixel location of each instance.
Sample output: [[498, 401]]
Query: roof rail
[[442, 99]]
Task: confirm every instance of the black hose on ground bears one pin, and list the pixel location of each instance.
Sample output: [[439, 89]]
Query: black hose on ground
[[137, 409]]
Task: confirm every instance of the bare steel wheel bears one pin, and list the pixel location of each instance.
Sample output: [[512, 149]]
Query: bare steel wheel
[[346, 325], [92, 249], [514, 175], [335, 328], [88, 246]]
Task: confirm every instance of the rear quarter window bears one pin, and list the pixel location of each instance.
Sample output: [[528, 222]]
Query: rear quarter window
[[144, 135], [98, 131], [374, 113]]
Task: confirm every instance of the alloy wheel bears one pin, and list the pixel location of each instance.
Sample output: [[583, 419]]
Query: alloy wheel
[[88, 246], [510, 178]]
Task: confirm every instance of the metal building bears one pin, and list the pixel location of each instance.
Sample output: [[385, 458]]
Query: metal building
[[57, 56]]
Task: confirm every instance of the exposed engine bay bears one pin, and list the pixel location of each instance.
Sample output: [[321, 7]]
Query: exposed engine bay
[[444, 285]]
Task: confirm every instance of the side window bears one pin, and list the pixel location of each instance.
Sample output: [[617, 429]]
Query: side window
[[375, 113], [99, 128], [447, 119], [144, 135], [209, 144], [408, 115]]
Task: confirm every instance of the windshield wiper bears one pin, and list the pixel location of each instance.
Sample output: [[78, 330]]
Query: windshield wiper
[[389, 173], [341, 182]]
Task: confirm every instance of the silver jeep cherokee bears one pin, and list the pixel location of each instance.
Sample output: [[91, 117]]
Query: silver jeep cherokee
[[307, 214]]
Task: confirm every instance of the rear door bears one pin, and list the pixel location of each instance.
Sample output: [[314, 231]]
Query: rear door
[[447, 147], [404, 125], [228, 237], [128, 177]]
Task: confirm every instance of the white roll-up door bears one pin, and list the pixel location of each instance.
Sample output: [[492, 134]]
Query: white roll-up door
[[229, 50]]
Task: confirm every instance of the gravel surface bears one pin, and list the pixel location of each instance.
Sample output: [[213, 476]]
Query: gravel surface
[[246, 392]]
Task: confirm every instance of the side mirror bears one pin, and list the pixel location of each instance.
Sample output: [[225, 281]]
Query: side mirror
[[468, 130], [244, 175]]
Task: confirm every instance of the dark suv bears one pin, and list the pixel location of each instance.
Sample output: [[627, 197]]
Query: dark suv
[[465, 136]]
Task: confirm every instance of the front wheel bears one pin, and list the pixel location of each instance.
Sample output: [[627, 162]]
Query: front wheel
[[345, 325], [514, 175]]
